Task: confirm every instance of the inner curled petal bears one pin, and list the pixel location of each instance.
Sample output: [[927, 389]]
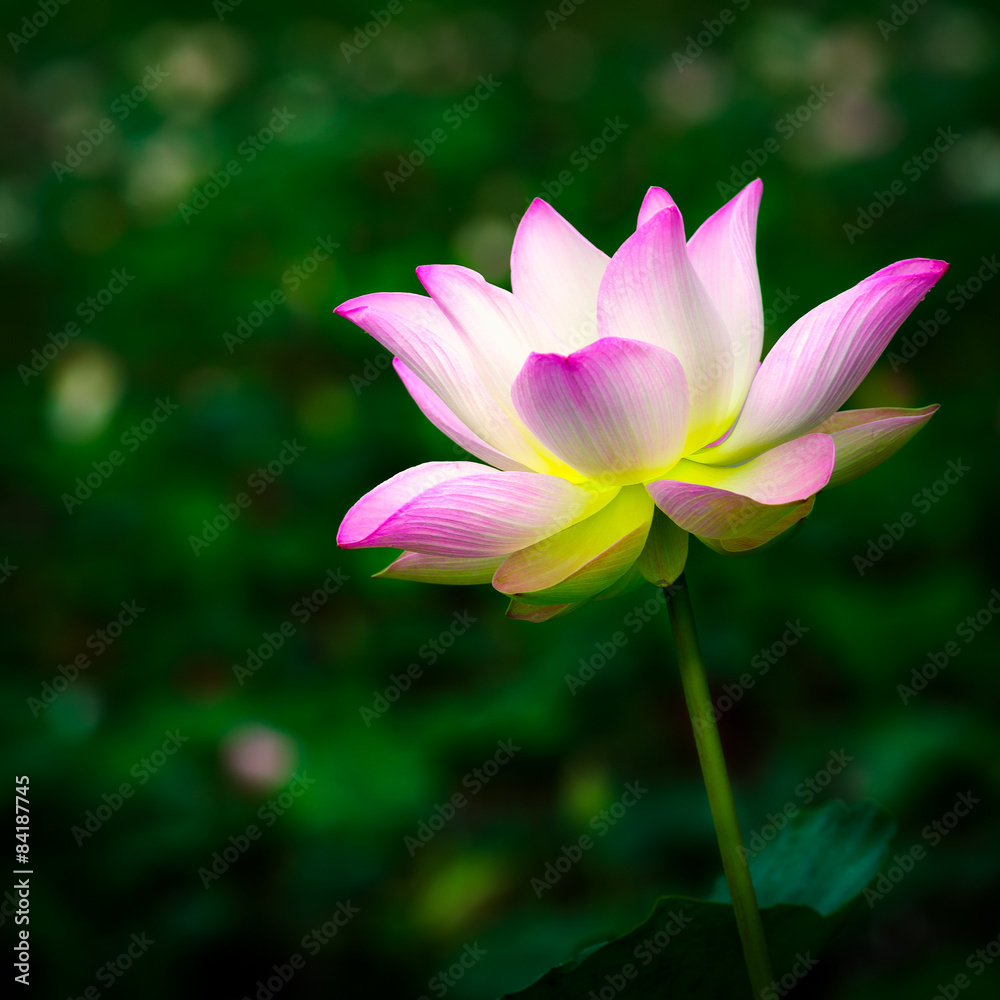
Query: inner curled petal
[[616, 411]]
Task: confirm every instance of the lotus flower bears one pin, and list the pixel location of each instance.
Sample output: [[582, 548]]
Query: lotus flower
[[620, 406]]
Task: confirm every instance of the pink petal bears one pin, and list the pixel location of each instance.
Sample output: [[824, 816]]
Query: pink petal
[[412, 327], [651, 292], [616, 411], [866, 438], [656, 200], [446, 422], [823, 357], [723, 252], [763, 536], [380, 504], [583, 560], [464, 509], [499, 330], [728, 502], [415, 329], [423, 568], [557, 272]]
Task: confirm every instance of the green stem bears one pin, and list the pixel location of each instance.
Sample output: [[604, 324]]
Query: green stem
[[720, 794]]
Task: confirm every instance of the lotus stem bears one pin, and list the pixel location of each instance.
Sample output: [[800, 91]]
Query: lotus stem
[[720, 793]]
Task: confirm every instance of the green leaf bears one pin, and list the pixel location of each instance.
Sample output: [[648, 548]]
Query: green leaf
[[823, 858], [806, 880]]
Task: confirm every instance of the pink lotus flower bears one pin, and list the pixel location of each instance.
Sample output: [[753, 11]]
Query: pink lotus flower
[[620, 406]]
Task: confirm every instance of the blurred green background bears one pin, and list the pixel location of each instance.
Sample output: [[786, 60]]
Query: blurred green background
[[221, 376]]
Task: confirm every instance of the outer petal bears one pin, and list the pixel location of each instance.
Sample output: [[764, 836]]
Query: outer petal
[[723, 252], [464, 509], [415, 329], [745, 499], [446, 422], [866, 438], [583, 560], [656, 200], [616, 410], [651, 292], [822, 359], [557, 272], [525, 612], [665, 553], [499, 332], [632, 580], [441, 569], [762, 538]]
